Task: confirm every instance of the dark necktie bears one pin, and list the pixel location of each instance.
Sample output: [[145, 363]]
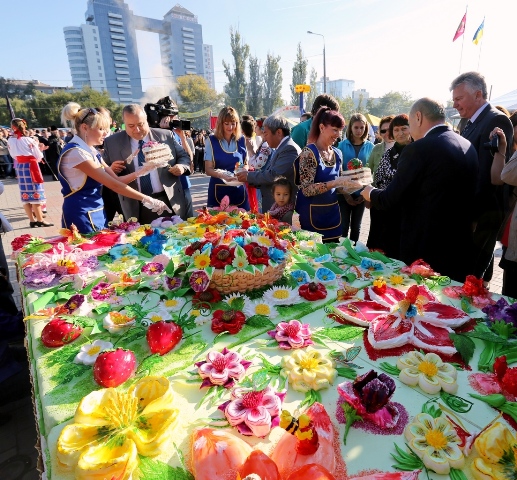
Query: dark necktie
[[467, 128], [146, 187]]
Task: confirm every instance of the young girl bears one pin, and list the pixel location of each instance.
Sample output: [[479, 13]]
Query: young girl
[[283, 207]]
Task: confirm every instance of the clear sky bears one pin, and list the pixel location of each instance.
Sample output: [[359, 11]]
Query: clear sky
[[384, 45]]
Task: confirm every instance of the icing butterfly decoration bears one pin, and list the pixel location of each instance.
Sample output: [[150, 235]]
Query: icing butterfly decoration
[[347, 356]]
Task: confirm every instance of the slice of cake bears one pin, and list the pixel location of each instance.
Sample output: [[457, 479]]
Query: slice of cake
[[157, 153]]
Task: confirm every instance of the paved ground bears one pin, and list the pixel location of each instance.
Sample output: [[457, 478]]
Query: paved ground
[[18, 456]]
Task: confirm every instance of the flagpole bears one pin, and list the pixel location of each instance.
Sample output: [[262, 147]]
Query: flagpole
[[463, 39], [480, 46]]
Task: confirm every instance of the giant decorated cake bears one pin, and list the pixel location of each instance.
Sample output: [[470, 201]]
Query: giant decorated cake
[[231, 347]]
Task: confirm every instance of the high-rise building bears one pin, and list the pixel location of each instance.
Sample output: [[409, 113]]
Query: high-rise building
[[103, 54], [208, 62]]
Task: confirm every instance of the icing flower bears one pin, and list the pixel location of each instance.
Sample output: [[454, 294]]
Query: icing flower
[[257, 255], [324, 275], [222, 368], [258, 307], [160, 315], [171, 283], [497, 449], [76, 305], [372, 265], [112, 428], [300, 276], [369, 395], [201, 260], [276, 254], [102, 291], [201, 316], [412, 304], [222, 256], [502, 310], [292, 335], [324, 258], [199, 281], [507, 377], [230, 321], [429, 372], [397, 279], [210, 295], [379, 286], [435, 441], [253, 412], [313, 291], [308, 370], [152, 268], [473, 289], [122, 264], [419, 267], [194, 247], [174, 304], [89, 352], [240, 262], [117, 322], [124, 250], [281, 296]]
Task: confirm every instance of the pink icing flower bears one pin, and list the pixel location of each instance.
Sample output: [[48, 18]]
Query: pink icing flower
[[102, 291], [199, 281], [253, 412], [152, 268], [419, 267], [222, 368], [293, 334]]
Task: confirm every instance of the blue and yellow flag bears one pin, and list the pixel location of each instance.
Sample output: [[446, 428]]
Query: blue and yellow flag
[[479, 33]]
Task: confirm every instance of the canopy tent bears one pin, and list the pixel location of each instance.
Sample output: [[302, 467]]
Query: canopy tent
[[372, 119], [508, 101]]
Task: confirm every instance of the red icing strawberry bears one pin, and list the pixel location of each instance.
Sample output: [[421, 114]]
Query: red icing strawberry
[[113, 367], [162, 336], [354, 164], [58, 332]]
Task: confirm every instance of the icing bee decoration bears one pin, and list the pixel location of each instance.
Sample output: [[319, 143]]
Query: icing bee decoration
[[303, 429]]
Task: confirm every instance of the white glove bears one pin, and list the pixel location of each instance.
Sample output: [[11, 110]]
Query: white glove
[[155, 205], [146, 168]]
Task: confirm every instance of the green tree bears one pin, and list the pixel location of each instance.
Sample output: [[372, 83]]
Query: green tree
[[346, 107], [272, 84], [196, 95], [311, 96], [392, 103], [13, 90], [299, 74], [235, 89], [254, 94]]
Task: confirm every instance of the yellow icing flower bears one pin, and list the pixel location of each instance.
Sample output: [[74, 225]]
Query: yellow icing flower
[[307, 369], [111, 428], [494, 443], [201, 260], [379, 282], [429, 372], [397, 279], [435, 441]]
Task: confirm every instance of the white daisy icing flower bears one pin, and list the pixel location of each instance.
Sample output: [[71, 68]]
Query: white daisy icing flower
[[158, 315], [281, 296], [234, 296], [89, 352], [201, 317], [174, 304], [258, 307], [262, 240], [428, 371]]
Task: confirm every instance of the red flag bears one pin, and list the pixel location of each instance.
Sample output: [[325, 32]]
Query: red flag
[[10, 108], [461, 27]]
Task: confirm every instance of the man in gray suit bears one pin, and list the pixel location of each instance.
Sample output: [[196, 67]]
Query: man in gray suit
[[277, 135], [163, 183], [469, 93]]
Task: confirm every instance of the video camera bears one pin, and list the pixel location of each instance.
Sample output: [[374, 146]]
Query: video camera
[[165, 107], [492, 144]]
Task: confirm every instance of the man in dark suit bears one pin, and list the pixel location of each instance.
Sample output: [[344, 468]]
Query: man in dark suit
[[434, 189], [469, 93], [162, 184], [277, 135]]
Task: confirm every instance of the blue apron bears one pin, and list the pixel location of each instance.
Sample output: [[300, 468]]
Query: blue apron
[[320, 213], [83, 207], [225, 160]]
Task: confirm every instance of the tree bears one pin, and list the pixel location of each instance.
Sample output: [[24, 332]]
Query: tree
[[272, 78], [392, 103], [299, 74], [236, 86], [254, 93], [311, 96], [195, 95], [14, 90], [346, 107]]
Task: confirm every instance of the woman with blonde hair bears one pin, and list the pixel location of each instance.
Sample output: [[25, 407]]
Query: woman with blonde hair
[[226, 151], [30, 181], [82, 172]]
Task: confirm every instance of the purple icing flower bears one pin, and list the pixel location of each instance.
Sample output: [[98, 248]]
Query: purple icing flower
[[222, 368], [370, 396], [253, 412], [199, 281], [502, 310], [90, 263], [102, 291], [292, 335], [74, 303], [152, 268], [172, 283]]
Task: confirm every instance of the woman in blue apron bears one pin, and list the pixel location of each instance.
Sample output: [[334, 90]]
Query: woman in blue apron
[[226, 150], [317, 171], [82, 172]]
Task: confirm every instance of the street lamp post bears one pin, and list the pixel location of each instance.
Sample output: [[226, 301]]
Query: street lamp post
[[324, 62]]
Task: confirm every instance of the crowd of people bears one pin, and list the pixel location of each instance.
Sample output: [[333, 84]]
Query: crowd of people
[[439, 194]]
